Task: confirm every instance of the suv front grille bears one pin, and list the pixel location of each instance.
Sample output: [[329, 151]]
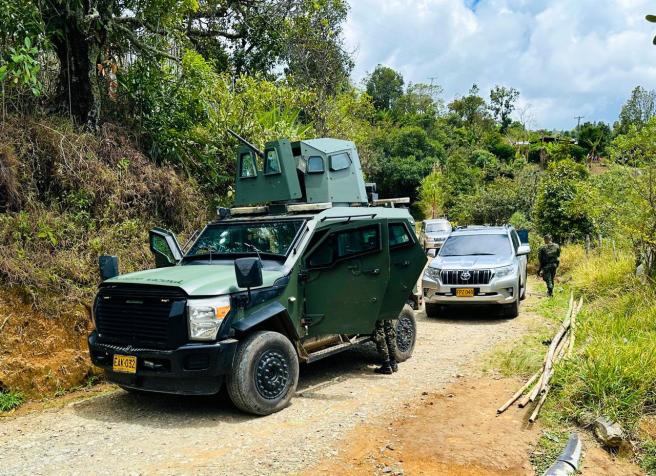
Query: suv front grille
[[466, 276], [149, 316]]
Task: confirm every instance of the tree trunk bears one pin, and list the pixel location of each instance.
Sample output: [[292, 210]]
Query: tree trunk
[[78, 55]]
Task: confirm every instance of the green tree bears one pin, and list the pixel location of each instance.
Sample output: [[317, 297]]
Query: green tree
[[432, 194], [595, 137], [385, 86], [419, 106], [637, 110], [502, 104], [557, 208]]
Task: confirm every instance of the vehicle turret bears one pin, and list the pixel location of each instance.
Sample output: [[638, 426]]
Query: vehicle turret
[[316, 171]]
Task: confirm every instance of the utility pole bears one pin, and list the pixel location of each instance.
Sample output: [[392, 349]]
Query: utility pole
[[578, 125]]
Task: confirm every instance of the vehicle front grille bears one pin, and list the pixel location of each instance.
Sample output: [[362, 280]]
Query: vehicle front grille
[[466, 276], [149, 316]]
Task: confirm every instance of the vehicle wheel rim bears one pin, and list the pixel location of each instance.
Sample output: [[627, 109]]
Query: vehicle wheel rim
[[404, 334], [271, 374]]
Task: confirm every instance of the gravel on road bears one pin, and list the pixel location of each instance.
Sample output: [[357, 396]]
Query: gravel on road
[[122, 433]]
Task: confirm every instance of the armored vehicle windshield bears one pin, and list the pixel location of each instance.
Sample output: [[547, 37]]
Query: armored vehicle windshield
[[273, 239]]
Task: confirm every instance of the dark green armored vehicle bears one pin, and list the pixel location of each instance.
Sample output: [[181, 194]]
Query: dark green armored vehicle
[[301, 268]]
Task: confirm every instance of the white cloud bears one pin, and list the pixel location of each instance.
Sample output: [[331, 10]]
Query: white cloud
[[567, 57]]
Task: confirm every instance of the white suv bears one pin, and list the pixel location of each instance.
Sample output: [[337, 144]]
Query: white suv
[[478, 265]]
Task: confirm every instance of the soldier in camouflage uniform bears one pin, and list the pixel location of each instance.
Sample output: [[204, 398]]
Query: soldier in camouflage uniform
[[549, 257], [385, 338]]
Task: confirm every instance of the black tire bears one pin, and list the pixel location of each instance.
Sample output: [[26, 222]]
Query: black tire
[[264, 375], [406, 334], [522, 294], [432, 310]]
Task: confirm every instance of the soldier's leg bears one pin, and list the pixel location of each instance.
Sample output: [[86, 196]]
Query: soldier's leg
[[390, 341], [379, 339], [381, 346], [549, 279]]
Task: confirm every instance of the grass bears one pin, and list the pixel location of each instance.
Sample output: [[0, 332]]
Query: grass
[[10, 400], [612, 372], [550, 445]]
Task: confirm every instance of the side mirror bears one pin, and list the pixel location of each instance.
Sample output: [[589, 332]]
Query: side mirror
[[523, 250], [108, 266], [248, 272], [164, 247]]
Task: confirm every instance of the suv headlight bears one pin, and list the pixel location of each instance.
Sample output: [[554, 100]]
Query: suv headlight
[[205, 317], [433, 273], [504, 271]]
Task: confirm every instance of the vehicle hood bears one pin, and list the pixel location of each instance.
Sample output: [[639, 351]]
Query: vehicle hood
[[470, 262], [195, 280]]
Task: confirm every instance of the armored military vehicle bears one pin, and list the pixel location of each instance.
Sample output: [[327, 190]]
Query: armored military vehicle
[[299, 269]]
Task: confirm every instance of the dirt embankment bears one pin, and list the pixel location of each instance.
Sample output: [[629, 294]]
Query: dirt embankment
[[40, 355]]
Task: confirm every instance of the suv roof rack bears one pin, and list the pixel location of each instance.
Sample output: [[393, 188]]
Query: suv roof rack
[[483, 227]]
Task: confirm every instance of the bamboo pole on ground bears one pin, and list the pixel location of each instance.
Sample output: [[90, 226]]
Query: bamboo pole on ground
[[519, 392], [572, 331], [546, 365]]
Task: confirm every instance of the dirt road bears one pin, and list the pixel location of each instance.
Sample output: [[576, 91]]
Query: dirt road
[[122, 433]]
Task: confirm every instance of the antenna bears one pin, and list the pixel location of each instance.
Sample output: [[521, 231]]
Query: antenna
[[578, 123], [246, 143]]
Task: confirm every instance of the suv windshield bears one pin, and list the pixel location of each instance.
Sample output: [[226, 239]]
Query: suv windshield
[[269, 238], [437, 227], [470, 245]]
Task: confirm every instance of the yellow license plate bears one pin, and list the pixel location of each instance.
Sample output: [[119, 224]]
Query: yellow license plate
[[465, 292], [125, 363]]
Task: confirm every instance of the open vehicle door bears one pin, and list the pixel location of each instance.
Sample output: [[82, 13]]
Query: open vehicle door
[[164, 245]]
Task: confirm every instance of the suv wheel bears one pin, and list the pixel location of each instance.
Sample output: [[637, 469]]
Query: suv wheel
[[522, 294], [406, 334], [265, 373]]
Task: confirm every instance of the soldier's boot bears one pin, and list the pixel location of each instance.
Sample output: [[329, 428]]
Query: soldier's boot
[[394, 365], [385, 368]]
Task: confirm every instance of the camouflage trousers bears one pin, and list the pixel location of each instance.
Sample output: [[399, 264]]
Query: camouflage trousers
[[385, 338], [549, 274]]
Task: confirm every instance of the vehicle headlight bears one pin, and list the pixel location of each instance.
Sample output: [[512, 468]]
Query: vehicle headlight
[[433, 273], [205, 317], [504, 271]]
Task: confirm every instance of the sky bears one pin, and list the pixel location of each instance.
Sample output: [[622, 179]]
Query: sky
[[567, 58]]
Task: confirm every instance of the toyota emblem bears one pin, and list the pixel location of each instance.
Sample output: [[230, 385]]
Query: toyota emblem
[[465, 275]]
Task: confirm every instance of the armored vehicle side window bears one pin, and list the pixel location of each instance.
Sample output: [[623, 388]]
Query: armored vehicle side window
[[315, 165], [272, 163], [398, 235], [247, 166], [340, 161], [159, 244], [345, 244]]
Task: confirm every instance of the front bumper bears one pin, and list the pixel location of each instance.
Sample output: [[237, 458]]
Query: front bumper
[[434, 244], [191, 369], [498, 291]]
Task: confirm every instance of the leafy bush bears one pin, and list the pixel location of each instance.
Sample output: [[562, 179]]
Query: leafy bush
[[557, 209], [10, 400]]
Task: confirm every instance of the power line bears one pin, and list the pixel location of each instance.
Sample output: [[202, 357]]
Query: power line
[[578, 124]]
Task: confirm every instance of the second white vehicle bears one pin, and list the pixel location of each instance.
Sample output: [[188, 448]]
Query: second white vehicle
[[478, 265]]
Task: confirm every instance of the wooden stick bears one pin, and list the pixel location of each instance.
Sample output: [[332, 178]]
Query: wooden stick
[[538, 407], [572, 331], [548, 359], [519, 392]]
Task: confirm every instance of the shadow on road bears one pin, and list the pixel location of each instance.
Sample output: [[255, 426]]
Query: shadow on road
[[163, 411]]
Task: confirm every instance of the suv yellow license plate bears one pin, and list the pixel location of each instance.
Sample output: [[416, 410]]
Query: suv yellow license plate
[[125, 364], [465, 292]]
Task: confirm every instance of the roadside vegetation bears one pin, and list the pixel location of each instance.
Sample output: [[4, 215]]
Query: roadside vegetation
[[115, 120], [612, 370]]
